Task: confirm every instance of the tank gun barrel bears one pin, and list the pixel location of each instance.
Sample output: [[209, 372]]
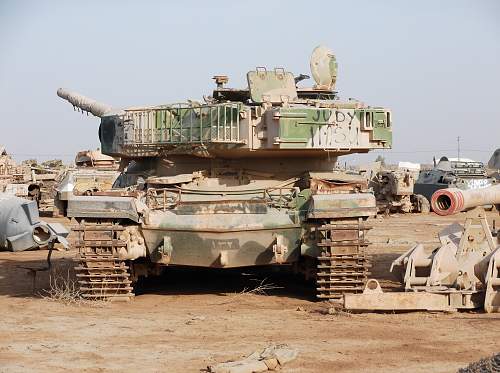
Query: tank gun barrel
[[84, 103], [453, 200]]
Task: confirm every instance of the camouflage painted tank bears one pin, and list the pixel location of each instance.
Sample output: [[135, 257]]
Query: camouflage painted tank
[[245, 178]]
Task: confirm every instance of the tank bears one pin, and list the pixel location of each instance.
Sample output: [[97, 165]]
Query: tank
[[245, 177], [452, 173]]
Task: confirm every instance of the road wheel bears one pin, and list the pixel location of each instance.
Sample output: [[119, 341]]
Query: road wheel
[[422, 204]]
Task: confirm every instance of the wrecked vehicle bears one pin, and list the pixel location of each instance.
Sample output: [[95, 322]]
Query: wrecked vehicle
[[9, 169], [245, 178], [453, 173], [29, 182], [38, 185], [394, 191], [20, 225], [94, 172], [462, 274]]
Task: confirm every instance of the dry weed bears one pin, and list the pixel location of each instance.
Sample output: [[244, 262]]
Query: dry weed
[[261, 289], [333, 311], [64, 288]]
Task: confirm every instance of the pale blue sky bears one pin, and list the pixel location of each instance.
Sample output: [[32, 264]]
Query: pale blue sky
[[436, 64]]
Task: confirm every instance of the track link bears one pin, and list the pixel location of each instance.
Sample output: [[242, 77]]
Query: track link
[[100, 272], [343, 263]]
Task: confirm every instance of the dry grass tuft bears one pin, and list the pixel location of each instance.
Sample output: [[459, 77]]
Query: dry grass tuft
[[64, 288], [333, 311], [261, 289]]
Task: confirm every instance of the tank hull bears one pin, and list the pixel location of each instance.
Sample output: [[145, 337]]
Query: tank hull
[[225, 249], [222, 240]]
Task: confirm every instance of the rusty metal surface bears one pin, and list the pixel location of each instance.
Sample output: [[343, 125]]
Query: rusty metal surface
[[464, 267], [404, 301], [102, 206], [343, 262], [342, 205], [100, 272]]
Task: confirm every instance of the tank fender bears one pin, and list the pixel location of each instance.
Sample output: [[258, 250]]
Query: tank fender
[[342, 205]]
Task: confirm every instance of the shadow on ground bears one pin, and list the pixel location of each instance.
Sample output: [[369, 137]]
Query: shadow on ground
[[17, 280], [277, 281]]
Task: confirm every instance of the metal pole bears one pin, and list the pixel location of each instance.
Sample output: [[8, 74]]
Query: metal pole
[[458, 147]]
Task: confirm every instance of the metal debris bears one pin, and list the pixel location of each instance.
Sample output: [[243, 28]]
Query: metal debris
[[21, 227], [463, 273], [487, 365]]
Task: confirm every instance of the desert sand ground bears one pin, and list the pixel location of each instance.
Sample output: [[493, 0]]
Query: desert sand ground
[[188, 319]]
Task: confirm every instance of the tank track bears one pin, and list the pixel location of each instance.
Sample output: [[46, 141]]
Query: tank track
[[100, 273], [343, 263]]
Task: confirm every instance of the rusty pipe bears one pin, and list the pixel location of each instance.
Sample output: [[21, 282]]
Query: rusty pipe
[[453, 200]]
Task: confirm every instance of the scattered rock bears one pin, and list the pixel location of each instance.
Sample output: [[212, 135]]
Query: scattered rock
[[193, 319], [272, 357]]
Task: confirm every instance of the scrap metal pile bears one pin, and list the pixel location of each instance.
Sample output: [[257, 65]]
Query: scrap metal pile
[[458, 173], [21, 228], [31, 182], [394, 191], [93, 172], [463, 273]]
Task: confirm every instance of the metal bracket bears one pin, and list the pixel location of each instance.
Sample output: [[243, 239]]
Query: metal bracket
[[163, 254]]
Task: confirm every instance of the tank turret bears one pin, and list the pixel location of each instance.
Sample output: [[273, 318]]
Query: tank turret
[[270, 117]]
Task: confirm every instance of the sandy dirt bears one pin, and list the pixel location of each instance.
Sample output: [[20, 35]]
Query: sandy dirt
[[188, 319]]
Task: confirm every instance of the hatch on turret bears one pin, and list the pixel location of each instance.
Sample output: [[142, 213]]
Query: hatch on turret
[[275, 86]]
